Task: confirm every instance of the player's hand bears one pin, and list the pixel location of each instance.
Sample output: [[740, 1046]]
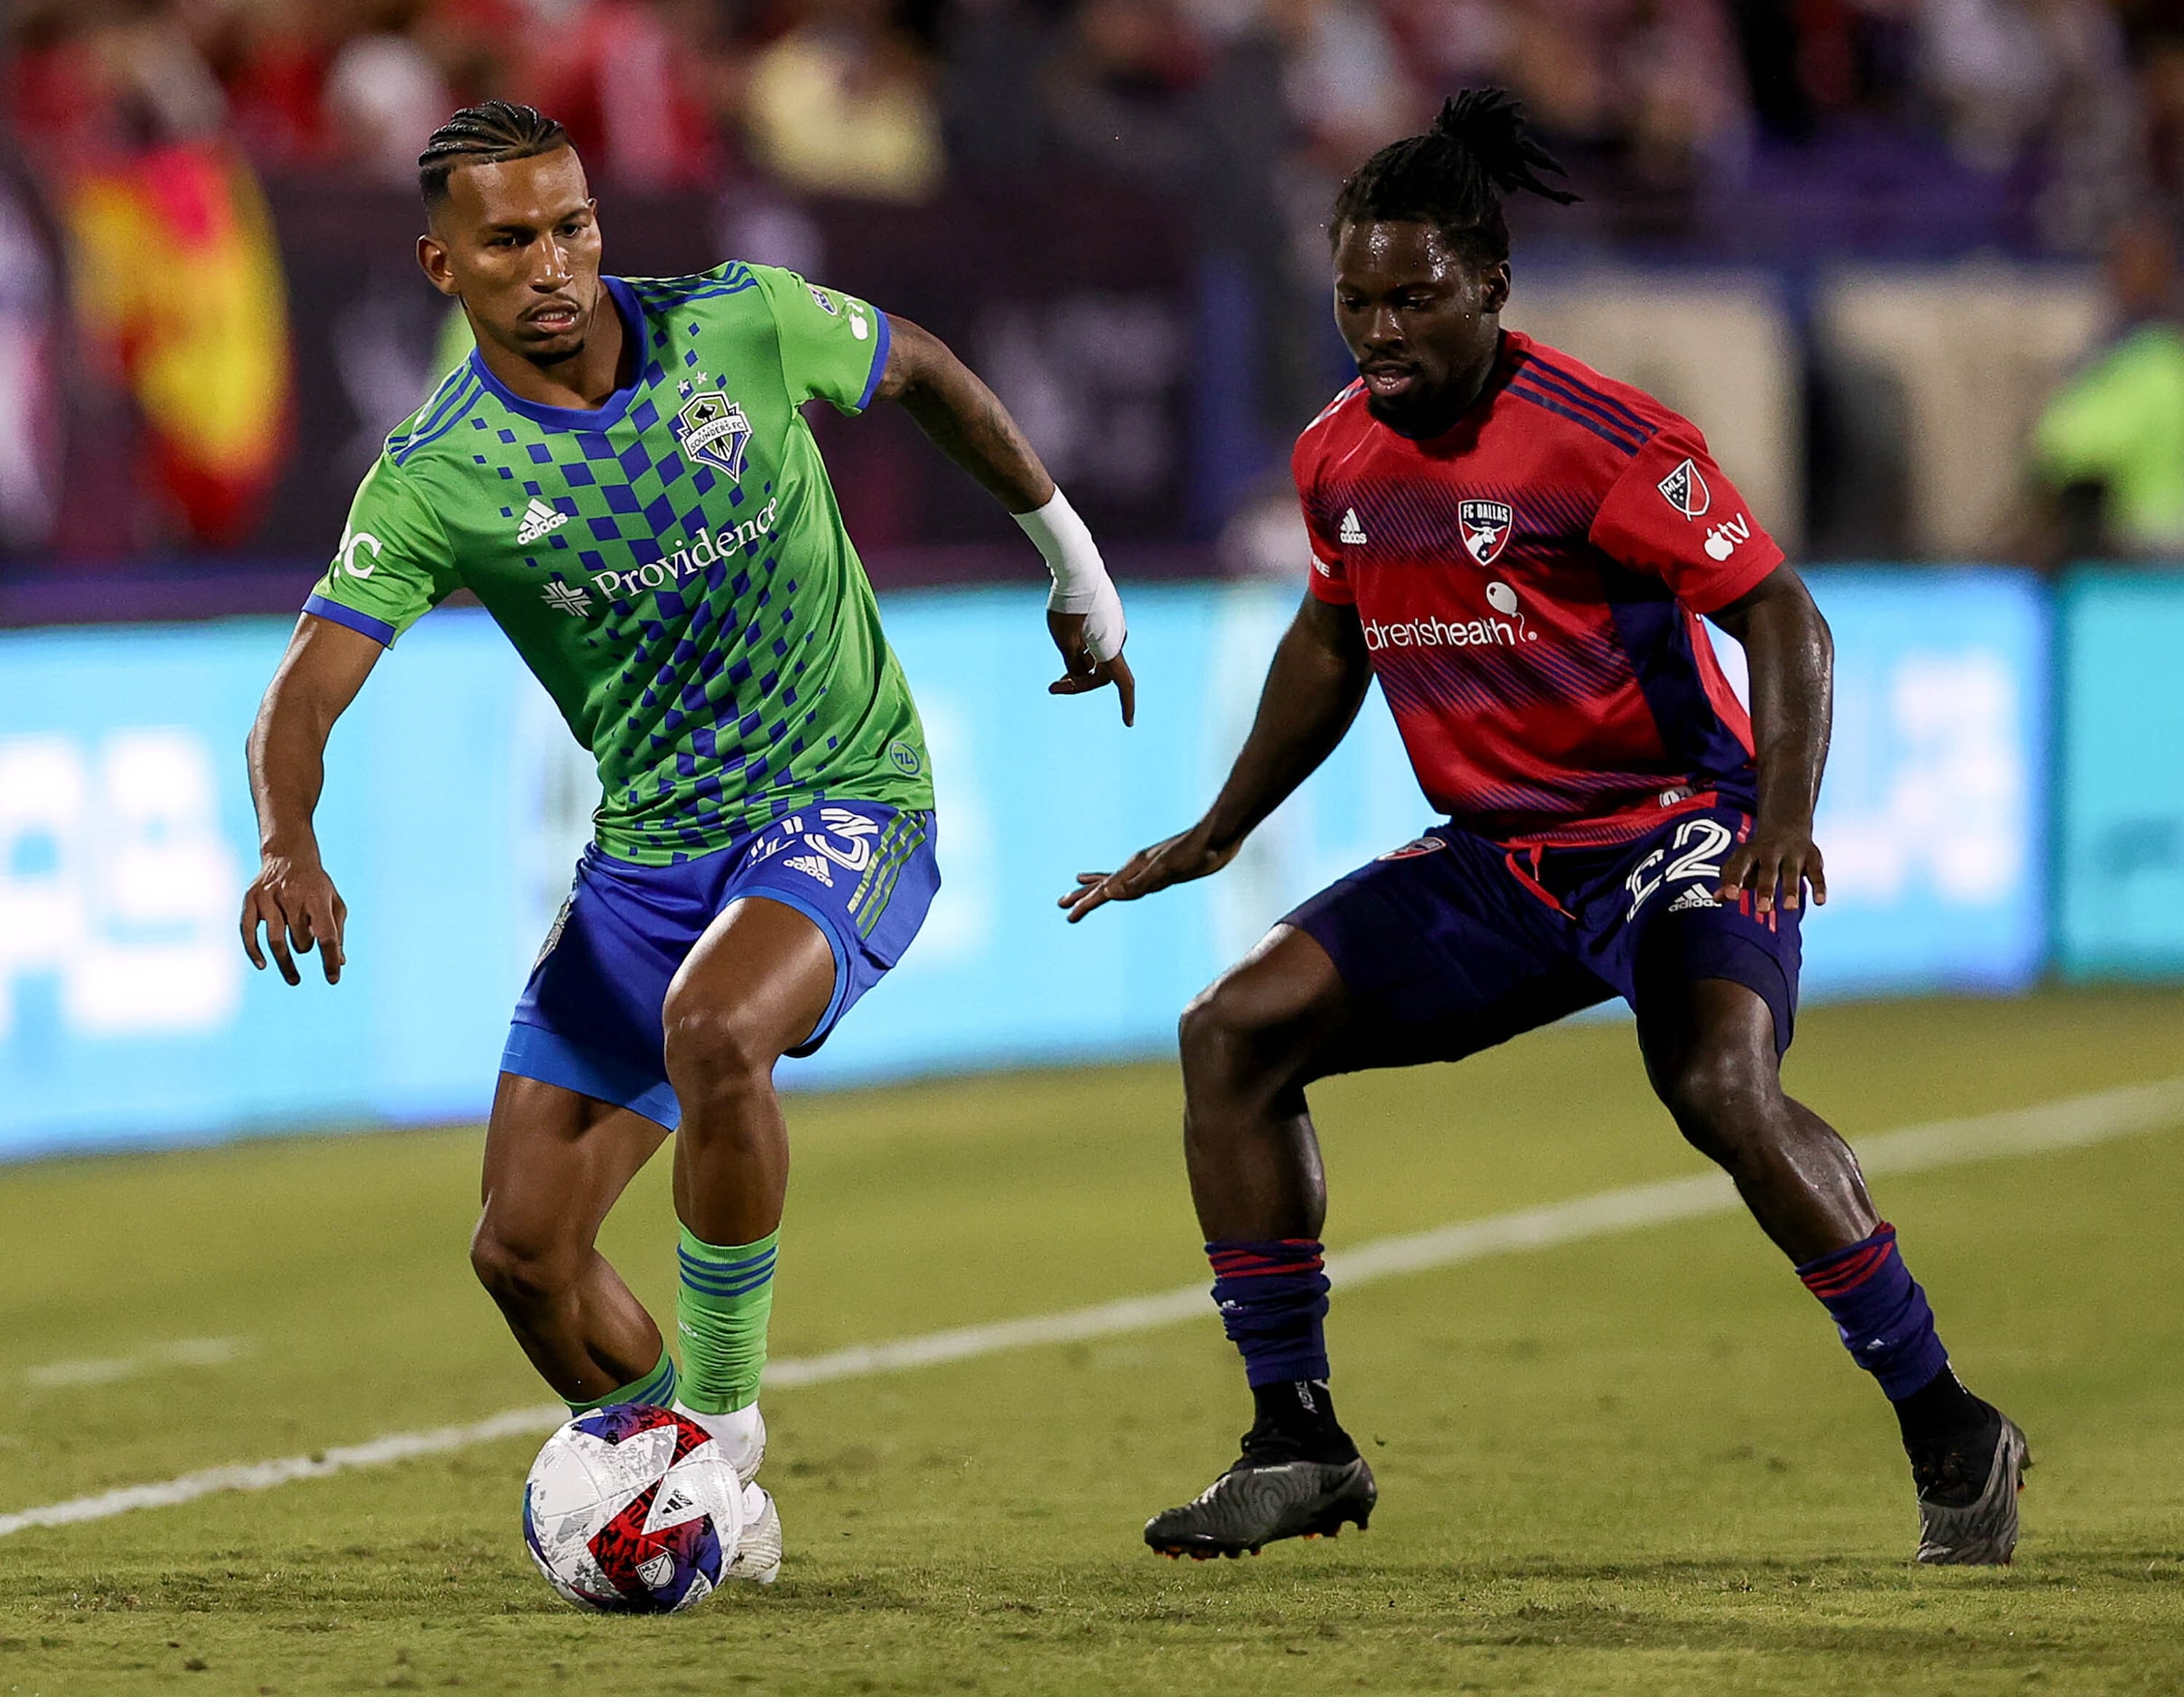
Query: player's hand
[[1777, 862], [296, 901], [1186, 855], [1085, 673]]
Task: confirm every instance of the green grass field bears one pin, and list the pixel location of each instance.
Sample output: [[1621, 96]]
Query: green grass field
[[1637, 1463]]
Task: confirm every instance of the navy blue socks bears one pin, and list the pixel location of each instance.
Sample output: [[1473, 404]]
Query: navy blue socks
[[1887, 1327], [1274, 1302]]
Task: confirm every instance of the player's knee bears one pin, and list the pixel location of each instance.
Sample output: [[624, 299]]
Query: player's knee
[[715, 1053], [1245, 1032], [519, 1271], [1721, 1099], [1218, 1030]]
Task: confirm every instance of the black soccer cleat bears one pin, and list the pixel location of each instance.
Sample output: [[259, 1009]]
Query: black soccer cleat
[[1269, 1494], [1967, 1494]]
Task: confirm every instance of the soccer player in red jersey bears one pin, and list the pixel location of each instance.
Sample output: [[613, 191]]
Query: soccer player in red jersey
[[1525, 554]]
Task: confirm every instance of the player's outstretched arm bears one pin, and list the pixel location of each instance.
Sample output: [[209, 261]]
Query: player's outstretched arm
[[968, 423], [292, 897], [1313, 692], [1792, 661]]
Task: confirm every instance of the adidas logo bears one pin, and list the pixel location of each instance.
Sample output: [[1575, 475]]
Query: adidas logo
[[812, 867], [1694, 895], [1352, 531], [539, 520]]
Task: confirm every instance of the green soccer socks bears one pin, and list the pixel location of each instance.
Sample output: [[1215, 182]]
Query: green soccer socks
[[721, 1310]]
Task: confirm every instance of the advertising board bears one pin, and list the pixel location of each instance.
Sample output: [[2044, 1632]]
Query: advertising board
[[2120, 868], [455, 803]]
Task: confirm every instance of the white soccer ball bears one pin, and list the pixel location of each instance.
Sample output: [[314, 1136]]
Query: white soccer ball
[[632, 1509]]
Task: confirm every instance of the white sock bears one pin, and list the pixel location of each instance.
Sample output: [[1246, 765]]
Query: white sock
[[737, 1433]]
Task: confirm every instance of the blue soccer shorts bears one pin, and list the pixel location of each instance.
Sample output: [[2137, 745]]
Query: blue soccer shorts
[[1453, 943], [589, 1021]]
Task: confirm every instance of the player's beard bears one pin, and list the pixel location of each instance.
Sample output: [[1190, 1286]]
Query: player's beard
[[1418, 411], [561, 351]]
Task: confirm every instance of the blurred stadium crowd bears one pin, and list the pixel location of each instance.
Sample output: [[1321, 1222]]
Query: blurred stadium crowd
[[145, 141], [1654, 102]]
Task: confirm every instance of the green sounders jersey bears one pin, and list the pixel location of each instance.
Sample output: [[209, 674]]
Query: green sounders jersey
[[672, 566]]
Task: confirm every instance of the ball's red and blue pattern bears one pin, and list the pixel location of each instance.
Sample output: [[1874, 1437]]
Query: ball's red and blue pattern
[[632, 1509]]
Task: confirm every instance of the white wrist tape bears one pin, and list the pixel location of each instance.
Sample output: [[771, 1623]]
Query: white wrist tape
[[1080, 581]]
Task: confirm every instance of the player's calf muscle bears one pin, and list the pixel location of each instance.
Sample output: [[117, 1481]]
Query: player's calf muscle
[[1797, 1177], [1258, 1181]]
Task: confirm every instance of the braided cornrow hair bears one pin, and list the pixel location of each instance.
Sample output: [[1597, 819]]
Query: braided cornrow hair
[[483, 134], [1454, 176]]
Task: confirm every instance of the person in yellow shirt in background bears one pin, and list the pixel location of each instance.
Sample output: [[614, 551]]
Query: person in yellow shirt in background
[[2108, 451]]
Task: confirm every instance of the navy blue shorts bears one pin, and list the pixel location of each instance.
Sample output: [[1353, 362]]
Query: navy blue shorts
[[589, 1021], [1453, 943]]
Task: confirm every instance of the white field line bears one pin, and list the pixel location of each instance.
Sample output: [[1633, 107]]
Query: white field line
[[183, 1352], [2071, 1123]]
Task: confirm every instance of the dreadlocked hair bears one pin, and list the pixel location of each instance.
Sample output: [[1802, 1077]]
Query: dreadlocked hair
[[1454, 176], [485, 135]]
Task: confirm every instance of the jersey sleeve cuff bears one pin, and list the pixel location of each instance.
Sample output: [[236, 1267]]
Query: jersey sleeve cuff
[[377, 630], [883, 336], [1720, 591], [1326, 586]]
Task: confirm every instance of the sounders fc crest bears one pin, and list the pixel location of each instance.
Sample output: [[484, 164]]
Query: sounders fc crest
[[1485, 525], [712, 428]]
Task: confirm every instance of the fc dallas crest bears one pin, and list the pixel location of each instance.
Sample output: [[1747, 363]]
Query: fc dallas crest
[[1485, 525]]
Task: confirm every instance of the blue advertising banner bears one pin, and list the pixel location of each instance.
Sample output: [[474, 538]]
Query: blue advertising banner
[[1933, 814], [455, 805], [127, 1009], [1033, 790], [1931, 819], [2120, 866]]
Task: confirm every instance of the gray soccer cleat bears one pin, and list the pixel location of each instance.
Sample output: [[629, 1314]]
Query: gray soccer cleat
[[757, 1560], [1967, 1497], [1254, 1502]]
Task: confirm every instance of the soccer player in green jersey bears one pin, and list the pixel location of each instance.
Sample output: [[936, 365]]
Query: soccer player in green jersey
[[620, 474]]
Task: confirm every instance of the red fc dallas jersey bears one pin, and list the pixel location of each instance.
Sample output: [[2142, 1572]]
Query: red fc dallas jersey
[[1531, 585]]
